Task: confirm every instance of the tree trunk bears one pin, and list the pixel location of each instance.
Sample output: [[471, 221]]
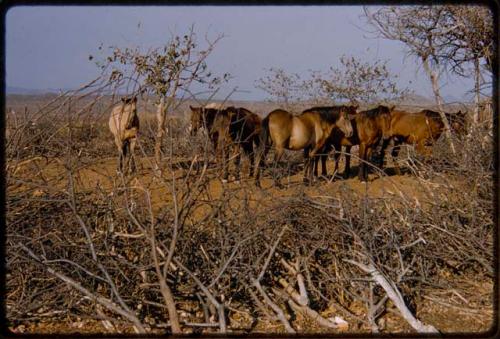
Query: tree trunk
[[171, 309], [477, 77], [439, 101], [160, 133]]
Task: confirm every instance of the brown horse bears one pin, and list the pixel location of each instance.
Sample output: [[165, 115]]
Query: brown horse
[[124, 124], [307, 131], [203, 117], [229, 128], [420, 129], [369, 129]]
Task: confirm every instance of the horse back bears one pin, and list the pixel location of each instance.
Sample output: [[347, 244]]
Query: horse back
[[370, 127], [244, 126], [416, 126]]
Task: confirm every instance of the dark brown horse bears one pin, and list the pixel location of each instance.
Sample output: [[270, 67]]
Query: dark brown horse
[[229, 129], [420, 129], [307, 131], [369, 129], [202, 117]]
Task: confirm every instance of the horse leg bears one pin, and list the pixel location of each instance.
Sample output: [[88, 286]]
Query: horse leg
[[362, 165], [308, 164], [248, 149], [132, 154], [312, 160], [394, 153], [262, 151], [126, 157], [315, 164], [347, 168], [277, 158], [120, 161], [214, 139], [324, 171], [368, 151], [119, 146], [385, 143]]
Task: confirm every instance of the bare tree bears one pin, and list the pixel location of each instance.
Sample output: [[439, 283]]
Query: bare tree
[[357, 81], [353, 81], [423, 30], [168, 72], [283, 87], [472, 43]]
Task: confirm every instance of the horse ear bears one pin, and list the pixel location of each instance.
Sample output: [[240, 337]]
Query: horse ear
[[392, 108], [191, 108], [124, 100], [134, 99]]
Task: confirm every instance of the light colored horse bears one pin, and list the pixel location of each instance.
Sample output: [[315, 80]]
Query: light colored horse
[[308, 131], [124, 124], [215, 105]]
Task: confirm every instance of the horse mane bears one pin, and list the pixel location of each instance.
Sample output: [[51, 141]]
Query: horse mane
[[433, 114], [213, 112], [327, 113], [375, 112]]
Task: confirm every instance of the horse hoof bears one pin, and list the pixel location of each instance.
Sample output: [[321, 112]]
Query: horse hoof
[[224, 181], [237, 182]]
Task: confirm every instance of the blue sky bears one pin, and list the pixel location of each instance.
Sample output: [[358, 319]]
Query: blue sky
[[48, 46]]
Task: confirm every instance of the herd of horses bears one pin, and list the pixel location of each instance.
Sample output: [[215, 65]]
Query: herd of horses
[[317, 131]]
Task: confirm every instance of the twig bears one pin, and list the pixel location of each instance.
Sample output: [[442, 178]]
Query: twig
[[101, 300]]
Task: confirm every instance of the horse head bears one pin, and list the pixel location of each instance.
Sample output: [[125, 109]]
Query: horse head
[[344, 121]]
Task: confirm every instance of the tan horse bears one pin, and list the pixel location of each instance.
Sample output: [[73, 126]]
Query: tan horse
[[124, 124], [307, 131], [420, 129]]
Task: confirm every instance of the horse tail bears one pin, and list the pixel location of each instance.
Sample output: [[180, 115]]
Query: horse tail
[[264, 133]]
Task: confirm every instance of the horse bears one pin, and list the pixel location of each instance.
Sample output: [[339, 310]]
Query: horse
[[307, 131], [230, 127], [335, 141], [457, 121], [124, 125], [420, 129], [369, 129], [202, 117], [238, 128], [215, 105]]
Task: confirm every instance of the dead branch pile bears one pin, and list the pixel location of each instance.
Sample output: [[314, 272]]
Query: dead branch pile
[[225, 262]]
